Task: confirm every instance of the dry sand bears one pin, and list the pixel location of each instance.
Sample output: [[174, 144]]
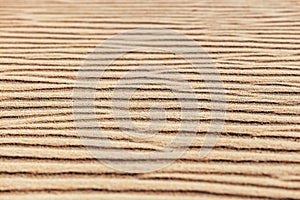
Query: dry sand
[[255, 46]]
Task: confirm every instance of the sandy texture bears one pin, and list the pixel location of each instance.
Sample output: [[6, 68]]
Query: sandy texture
[[254, 44]]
